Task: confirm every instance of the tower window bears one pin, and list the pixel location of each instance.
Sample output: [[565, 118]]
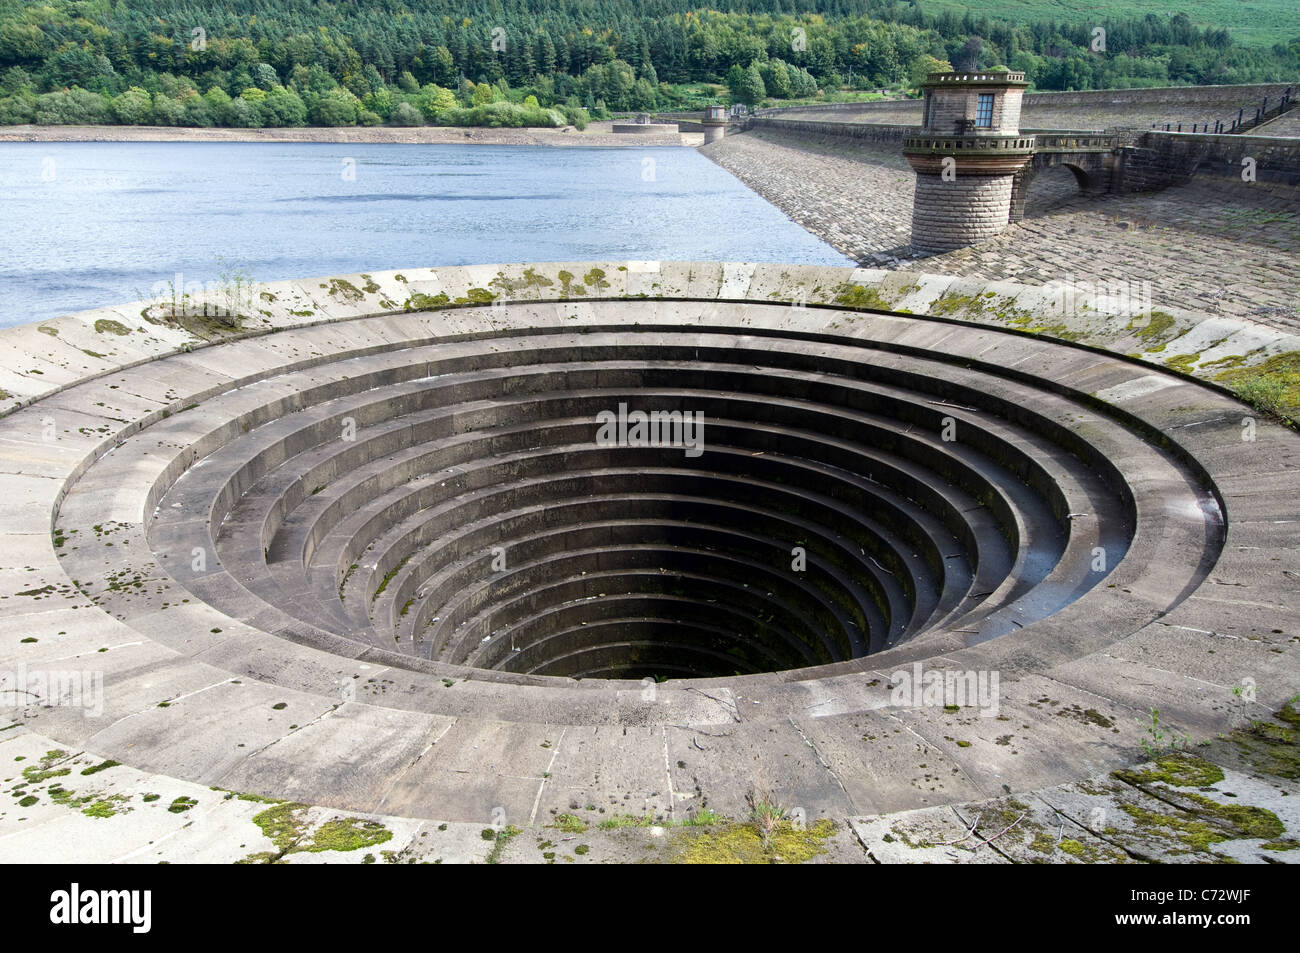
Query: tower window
[[984, 112]]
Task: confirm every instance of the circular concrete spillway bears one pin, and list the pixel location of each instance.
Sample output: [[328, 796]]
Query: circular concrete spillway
[[649, 503], [355, 550]]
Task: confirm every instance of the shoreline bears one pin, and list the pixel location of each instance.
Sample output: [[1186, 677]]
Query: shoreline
[[596, 134]]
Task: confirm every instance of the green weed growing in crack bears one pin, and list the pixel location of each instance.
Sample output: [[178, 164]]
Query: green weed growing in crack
[[1160, 740], [501, 838], [766, 815]]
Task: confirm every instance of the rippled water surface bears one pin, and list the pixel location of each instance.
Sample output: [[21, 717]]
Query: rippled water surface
[[90, 224]]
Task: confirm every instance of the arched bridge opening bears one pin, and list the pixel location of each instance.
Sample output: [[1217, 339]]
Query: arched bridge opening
[[1050, 179]]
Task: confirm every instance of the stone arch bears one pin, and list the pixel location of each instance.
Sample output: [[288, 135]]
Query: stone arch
[[1089, 174], [1085, 178]]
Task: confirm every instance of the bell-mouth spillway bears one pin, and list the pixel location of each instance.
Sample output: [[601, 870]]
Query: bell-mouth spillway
[[337, 550], [785, 502]]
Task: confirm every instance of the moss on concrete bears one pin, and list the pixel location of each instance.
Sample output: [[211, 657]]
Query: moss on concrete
[[1281, 845], [282, 824], [1270, 748], [1061, 331], [346, 834], [741, 843], [109, 326], [1178, 770], [1225, 363], [953, 303], [423, 302], [475, 296], [44, 770], [344, 290], [617, 821], [388, 577], [1088, 853], [1199, 822], [102, 766], [287, 826], [108, 806], [1271, 386], [501, 839], [852, 295], [531, 279], [1289, 713], [1152, 325]]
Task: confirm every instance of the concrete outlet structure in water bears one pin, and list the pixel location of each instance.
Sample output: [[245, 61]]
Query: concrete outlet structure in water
[[714, 123]]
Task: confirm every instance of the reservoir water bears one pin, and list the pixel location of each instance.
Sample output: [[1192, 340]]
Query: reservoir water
[[87, 224]]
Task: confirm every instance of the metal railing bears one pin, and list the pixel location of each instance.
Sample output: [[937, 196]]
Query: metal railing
[[1246, 118]]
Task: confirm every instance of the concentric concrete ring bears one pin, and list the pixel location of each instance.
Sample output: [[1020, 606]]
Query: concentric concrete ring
[[373, 557]]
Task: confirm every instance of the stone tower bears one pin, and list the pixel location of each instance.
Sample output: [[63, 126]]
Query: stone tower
[[965, 156], [715, 123]]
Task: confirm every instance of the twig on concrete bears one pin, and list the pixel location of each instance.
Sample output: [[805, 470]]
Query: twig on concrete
[[945, 403], [1001, 832], [969, 833]]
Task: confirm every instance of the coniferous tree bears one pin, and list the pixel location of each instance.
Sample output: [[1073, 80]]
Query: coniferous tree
[[64, 59]]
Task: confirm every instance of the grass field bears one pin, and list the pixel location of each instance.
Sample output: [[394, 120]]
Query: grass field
[[1251, 22]]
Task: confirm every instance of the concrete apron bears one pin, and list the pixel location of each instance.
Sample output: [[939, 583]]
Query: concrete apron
[[194, 695]]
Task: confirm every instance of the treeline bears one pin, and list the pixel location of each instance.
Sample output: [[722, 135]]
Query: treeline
[[544, 62]]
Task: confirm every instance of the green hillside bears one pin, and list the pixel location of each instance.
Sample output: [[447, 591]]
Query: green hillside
[[252, 63], [1249, 21]]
